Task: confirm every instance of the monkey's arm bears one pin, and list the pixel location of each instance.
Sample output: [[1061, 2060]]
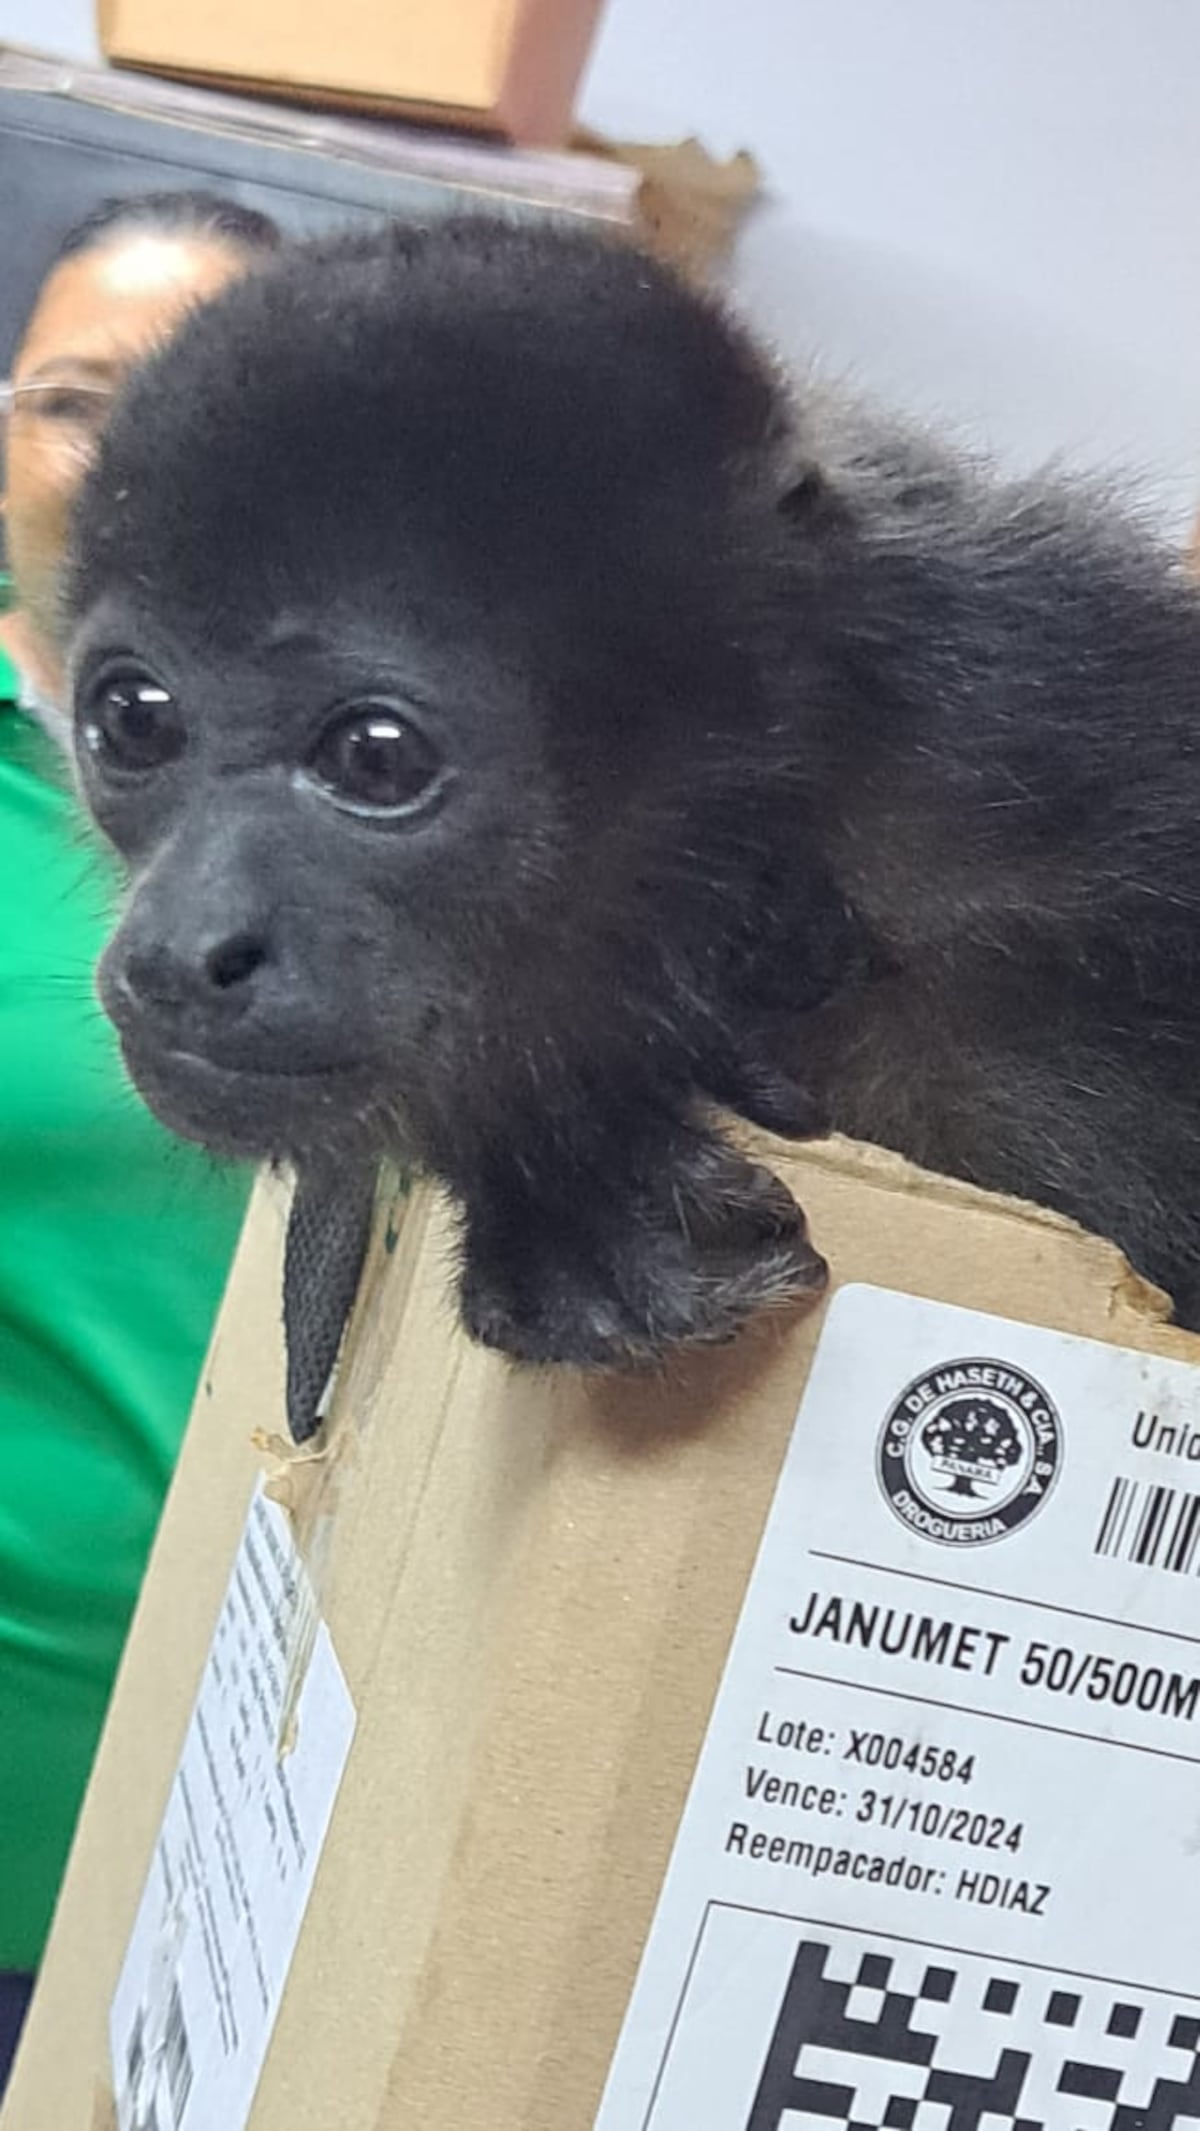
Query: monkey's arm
[[645, 1240], [802, 950]]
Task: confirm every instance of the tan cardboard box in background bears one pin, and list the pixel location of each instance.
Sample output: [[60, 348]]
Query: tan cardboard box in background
[[500, 66], [530, 1584]]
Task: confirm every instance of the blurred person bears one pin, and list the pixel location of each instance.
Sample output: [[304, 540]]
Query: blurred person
[[115, 1240]]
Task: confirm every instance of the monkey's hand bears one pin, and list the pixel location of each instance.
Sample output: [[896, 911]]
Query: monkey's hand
[[614, 1280]]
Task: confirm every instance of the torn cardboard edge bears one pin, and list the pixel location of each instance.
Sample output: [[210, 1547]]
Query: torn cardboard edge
[[1130, 1291], [894, 1173], [691, 205]]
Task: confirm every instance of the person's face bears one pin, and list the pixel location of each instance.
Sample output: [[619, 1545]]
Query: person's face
[[96, 316]]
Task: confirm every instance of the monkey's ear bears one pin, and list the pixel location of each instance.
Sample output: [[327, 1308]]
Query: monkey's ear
[[807, 500]]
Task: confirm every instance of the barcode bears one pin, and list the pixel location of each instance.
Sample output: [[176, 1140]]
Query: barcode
[[177, 2057], [1158, 1527]]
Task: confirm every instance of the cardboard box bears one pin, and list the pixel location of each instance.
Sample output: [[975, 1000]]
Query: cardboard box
[[530, 1584], [501, 66]]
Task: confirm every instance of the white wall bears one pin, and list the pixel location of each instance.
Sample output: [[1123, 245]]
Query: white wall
[[66, 26], [988, 210]]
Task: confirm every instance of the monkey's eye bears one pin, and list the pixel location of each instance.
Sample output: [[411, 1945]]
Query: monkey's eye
[[371, 759], [130, 723]]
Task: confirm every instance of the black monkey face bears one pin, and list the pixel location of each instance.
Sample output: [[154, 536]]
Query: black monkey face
[[323, 831], [415, 621], [409, 668]]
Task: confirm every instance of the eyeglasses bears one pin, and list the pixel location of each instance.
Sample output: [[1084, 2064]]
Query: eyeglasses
[[55, 400]]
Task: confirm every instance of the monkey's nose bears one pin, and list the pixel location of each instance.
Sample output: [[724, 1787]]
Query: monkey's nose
[[233, 961], [216, 974]]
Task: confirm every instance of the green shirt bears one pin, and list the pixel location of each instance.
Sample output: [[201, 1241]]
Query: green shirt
[[114, 1244]]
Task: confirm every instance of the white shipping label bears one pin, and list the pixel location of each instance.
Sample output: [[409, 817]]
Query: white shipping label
[[237, 1852], [939, 1869]]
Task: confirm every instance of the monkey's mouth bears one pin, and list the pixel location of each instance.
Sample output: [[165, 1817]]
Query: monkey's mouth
[[201, 1063], [256, 1111]]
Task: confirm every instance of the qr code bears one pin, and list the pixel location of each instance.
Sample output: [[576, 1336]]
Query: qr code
[[880, 2042], [786, 2027]]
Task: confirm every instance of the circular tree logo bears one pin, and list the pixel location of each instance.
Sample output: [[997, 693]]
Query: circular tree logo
[[969, 1452]]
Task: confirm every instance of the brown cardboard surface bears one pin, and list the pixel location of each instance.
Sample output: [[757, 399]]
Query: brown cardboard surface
[[531, 1583], [507, 66]]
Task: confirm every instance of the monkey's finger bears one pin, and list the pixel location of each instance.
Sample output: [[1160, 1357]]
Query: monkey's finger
[[773, 1099]]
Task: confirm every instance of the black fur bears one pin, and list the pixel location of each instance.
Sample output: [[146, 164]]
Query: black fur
[[793, 763]]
